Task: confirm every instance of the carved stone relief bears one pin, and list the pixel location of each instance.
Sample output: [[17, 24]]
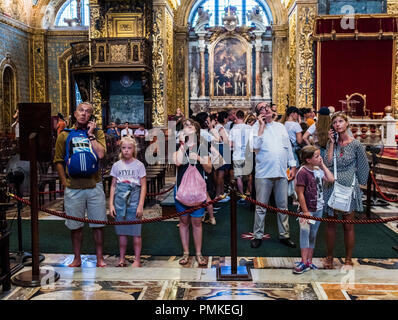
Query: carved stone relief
[[305, 63], [158, 112]]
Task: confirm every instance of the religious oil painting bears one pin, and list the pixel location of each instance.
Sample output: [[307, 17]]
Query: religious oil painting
[[230, 76]]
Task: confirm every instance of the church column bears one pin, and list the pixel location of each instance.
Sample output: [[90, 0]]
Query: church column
[[96, 30], [39, 90], [280, 72], [202, 48], [162, 62], [306, 12], [258, 46], [181, 69], [292, 56], [392, 8]]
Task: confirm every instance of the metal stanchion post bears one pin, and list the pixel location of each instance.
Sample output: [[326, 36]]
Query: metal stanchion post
[[233, 272], [36, 277], [368, 196]]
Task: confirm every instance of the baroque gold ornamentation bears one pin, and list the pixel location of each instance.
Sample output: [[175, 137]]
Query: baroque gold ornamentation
[[97, 104], [118, 53], [396, 80], [169, 54], [158, 112], [292, 57], [281, 85], [392, 7], [95, 15], [39, 70], [305, 62], [180, 54]]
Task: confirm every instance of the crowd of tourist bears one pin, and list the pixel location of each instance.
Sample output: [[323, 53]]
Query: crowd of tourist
[[293, 155]]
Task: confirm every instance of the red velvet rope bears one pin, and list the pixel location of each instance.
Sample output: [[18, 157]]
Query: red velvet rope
[[284, 211], [379, 190], [63, 215], [148, 194]]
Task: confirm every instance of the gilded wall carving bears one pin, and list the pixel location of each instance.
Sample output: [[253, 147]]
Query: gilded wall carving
[[39, 78], [281, 85], [169, 54], [18, 10], [97, 22], [96, 99], [158, 112], [305, 63], [292, 58], [180, 49]]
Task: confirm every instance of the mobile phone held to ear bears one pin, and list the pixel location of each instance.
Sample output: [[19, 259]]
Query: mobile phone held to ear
[[92, 118], [335, 135]]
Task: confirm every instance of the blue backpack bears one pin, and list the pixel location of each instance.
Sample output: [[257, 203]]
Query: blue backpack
[[80, 158]]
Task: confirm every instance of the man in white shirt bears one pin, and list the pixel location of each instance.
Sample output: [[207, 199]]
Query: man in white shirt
[[126, 131], [273, 156], [238, 139], [141, 131]]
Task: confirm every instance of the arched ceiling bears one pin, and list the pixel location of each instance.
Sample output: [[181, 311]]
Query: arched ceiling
[[33, 13]]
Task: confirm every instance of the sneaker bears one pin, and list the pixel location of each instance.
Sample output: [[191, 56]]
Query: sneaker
[[241, 201], [226, 199], [313, 266], [300, 268]]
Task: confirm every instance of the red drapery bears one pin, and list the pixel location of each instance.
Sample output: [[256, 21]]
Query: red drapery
[[349, 66]]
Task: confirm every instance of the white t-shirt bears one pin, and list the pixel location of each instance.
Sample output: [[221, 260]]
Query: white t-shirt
[[239, 136], [128, 172], [124, 132], [140, 132], [292, 128]]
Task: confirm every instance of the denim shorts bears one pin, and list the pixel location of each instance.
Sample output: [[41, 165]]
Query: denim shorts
[[180, 208], [78, 201]]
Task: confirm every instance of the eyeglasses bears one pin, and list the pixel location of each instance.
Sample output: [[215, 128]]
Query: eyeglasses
[[264, 107]]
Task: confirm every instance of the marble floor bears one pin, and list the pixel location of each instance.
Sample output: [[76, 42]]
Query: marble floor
[[163, 278]]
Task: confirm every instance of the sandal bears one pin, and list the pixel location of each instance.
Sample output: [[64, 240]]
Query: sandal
[[348, 262], [202, 262], [121, 265], [328, 264], [185, 259]]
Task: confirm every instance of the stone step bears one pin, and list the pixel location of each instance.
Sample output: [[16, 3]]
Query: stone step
[[386, 170], [387, 181], [391, 193], [389, 161]]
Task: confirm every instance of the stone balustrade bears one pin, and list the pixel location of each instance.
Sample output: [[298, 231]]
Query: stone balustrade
[[375, 131]]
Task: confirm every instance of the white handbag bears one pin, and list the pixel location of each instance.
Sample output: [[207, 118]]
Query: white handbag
[[341, 196]]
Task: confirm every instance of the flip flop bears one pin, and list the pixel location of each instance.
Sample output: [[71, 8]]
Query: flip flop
[[121, 265], [101, 265]]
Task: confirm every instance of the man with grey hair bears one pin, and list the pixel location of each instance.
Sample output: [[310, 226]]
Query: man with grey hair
[[273, 156], [83, 192]]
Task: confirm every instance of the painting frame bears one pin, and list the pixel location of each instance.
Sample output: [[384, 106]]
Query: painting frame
[[242, 55]]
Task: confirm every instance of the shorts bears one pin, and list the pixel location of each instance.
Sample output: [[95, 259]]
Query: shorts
[[180, 208], [77, 201], [238, 168]]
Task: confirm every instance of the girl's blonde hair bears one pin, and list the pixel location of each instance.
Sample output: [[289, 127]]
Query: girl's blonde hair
[[307, 153], [128, 140]]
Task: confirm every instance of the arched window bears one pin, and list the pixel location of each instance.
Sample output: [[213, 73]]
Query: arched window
[[217, 10], [73, 13]]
